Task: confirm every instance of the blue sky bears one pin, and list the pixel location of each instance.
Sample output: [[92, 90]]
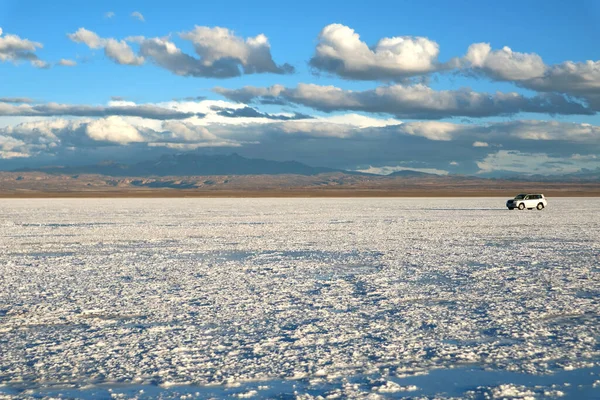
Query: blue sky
[[547, 66]]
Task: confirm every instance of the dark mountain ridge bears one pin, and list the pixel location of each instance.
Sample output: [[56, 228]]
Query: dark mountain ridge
[[190, 164]]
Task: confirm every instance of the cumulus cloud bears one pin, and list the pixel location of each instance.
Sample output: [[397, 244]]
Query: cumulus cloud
[[55, 109], [113, 129], [341, 51], [414, 101], [121, 53], [220, 44], [579, 79], [12, 148], [504, 64], [221, 54], [117, 50], [138, 15], [109, 14], [15, 49], [167, 55]]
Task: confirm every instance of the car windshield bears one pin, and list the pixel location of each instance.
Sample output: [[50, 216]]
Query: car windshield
[[520, 196]]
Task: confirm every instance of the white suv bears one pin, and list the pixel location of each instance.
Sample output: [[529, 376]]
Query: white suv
[[527, 201]]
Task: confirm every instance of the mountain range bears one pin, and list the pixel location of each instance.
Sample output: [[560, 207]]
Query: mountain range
[[194, 164], [191, 164], [234, 175]]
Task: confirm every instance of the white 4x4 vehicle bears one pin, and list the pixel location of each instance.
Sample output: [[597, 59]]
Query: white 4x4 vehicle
[[527, 201]]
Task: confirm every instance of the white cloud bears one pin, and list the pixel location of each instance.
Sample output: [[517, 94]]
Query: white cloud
[[504, 64], [12, 148], [118, 51], [547, 131], [220, 45], [580, 79], [138, 15], [481, 135], [53, 135], [221, 53], [360, 121], [67, 63], [113, 129], [432, 130], [341, 51], [188, 132], [109, 14], [121, 53], [87, 37], [15, 49], [315, 129], [40, 64]]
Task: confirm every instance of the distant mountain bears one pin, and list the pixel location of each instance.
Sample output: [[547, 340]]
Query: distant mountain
[[191, 164], [407, 173]]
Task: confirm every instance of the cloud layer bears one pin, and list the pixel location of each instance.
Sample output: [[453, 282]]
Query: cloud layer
[[348, 141], [59, 135], [414, 101], [55, 109]]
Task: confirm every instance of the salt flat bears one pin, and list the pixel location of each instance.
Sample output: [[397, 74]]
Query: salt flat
[[299, 298]]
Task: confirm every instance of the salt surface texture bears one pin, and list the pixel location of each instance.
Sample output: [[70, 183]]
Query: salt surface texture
[[299, 298]]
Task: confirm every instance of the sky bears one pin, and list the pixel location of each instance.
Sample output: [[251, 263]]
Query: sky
[[461, 87]]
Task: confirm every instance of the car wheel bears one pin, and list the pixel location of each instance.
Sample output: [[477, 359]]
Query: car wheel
[[521, 206], [540, 206]]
